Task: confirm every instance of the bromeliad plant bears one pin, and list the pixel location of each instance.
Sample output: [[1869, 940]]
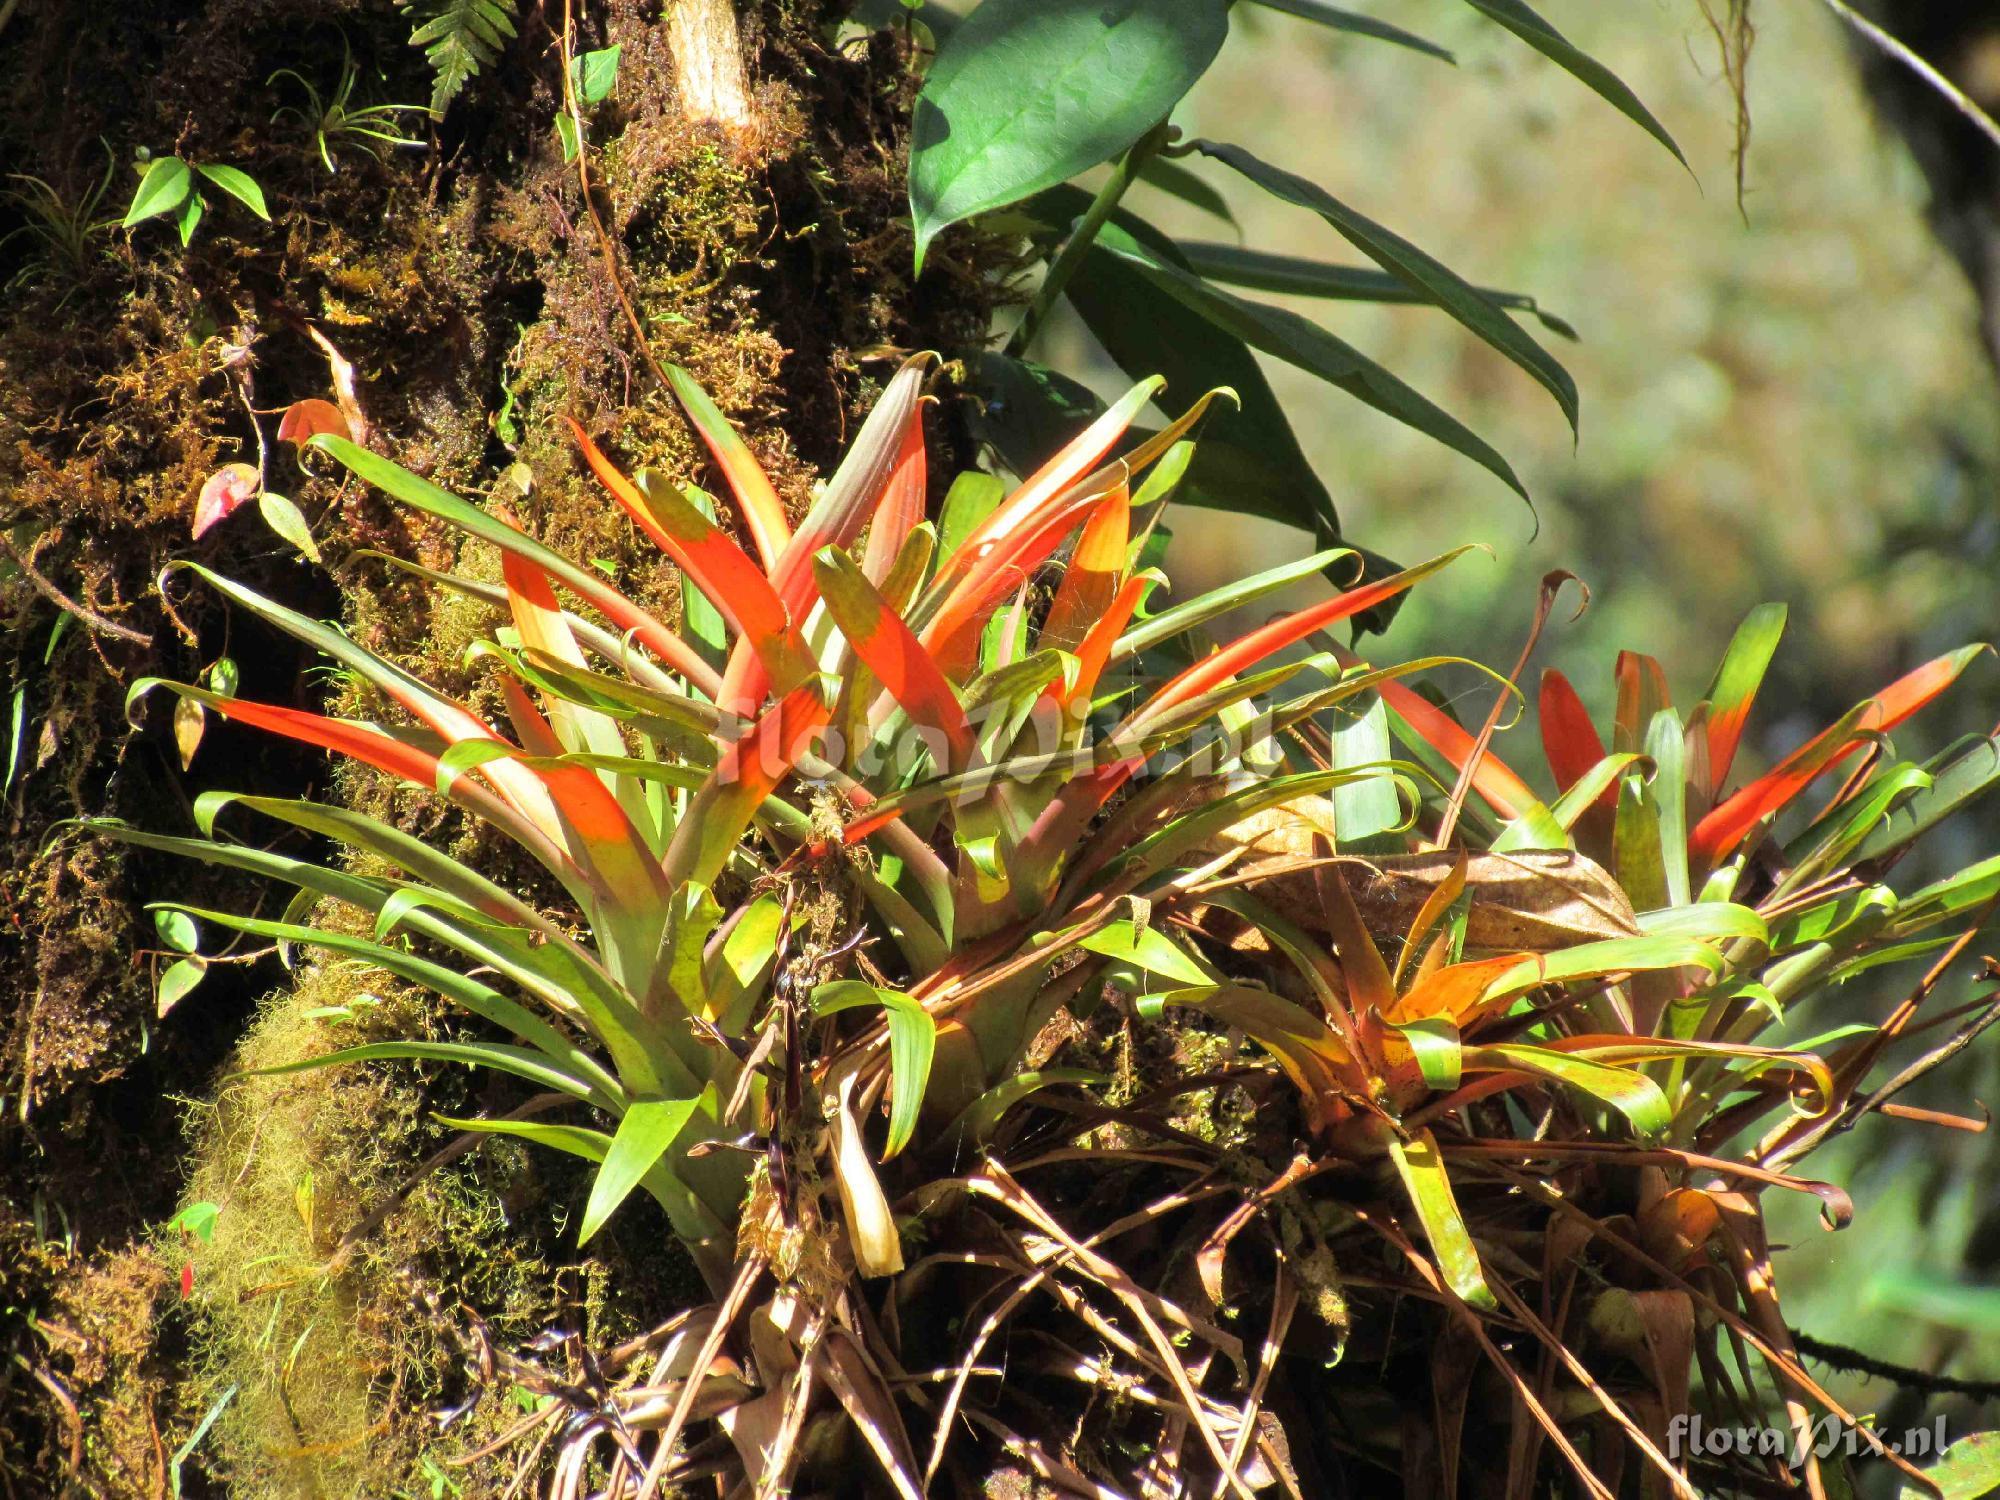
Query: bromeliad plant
[[869, 695], [912, 821]]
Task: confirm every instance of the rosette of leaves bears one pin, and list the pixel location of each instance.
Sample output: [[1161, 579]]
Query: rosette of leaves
[[947, 721]]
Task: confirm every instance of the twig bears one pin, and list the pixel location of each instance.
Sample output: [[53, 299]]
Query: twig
[[63, 601], [1901, 52], [1840, 1357]]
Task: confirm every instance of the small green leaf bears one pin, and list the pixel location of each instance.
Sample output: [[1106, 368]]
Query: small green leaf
[[180, 978], [643, 1137], [1028, 93], [596, 73], [160, 191], [239, 185], [177, 930], [566, 133], [912, 1045], [191, 213], [283, 517], [197, 1219], [223, 676]]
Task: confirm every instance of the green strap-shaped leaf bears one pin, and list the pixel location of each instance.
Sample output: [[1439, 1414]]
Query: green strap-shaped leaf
[[1198, 611], [519, 1061], [1423, 274], [691, 1218], [1434, 1042], [1706, 920], [478, 999], [1964, 772], [1421, 1167], [1338, 19], [1626, 1090], [645, 1133], [1666, 746], [1279, 331], [1734, 690], [1147, 948], [1295, 275], [1028, 93], [1610, 956], [912, 1045], [979, 1119], [1552, 44]]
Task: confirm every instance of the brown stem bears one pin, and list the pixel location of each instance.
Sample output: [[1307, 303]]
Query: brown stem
[[89, 616]]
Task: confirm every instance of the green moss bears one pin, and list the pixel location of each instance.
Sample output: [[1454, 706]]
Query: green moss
[[328, 1308]]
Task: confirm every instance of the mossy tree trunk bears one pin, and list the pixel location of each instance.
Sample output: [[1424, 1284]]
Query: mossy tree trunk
[[747, 175]]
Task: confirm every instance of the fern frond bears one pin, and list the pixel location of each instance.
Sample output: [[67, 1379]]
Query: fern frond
[[459, 37]]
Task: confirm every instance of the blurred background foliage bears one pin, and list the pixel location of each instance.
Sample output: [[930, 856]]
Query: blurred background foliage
[[1782, 400]]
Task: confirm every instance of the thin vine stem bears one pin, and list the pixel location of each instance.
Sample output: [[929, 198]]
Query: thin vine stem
[[1063, 267]]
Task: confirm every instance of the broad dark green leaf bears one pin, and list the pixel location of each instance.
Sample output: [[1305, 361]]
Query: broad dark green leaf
[[1429, 278], [1346, 20], [1552, 44], [1025, 411], [1027, 93], [1248, 459], [1296, 340], [1268, 271], [1969, 1470], [1177, 181]]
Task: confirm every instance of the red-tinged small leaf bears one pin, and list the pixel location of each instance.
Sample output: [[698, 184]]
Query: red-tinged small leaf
[[875, 462], [304, 419], [1091, 579], [227, 489], [1716, 836], [1642, 692], [901, 508], [1075, 461], [763, 512], [720, 569], [893, 653], [1734, 690], [1569, 739], [1494, 780], [187, 1280]]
